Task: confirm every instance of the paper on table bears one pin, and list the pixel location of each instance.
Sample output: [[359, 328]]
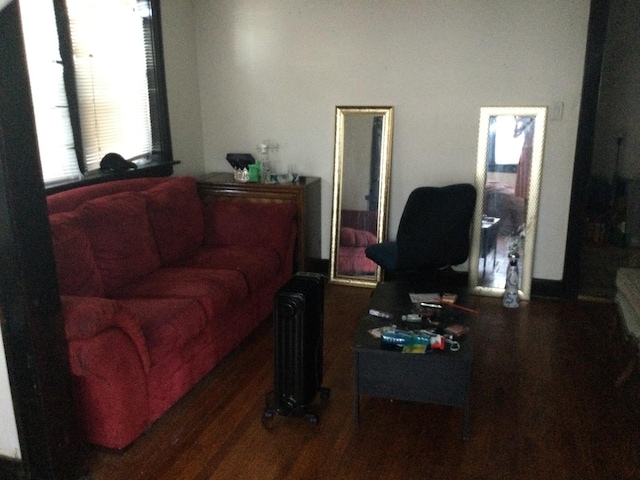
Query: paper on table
[[424, 297]]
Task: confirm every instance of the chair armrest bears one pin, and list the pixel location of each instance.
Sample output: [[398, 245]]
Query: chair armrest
[[384, 254]]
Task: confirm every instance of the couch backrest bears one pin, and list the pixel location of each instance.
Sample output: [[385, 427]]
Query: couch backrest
[[121, 237], [104, 241], [176, 218], [263, 224], [366, 220], [71, 199], [76, 267]]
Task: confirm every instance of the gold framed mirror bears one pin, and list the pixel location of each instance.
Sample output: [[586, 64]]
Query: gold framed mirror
[[508, 176], [362, 161]]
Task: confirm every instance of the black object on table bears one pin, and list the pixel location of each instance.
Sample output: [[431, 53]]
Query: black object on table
[[440, 377]]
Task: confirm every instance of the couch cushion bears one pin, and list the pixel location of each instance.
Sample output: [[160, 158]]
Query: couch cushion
[[353, 261], [175, 214], [120, 235], [269, 224], [76, 269], [257, 264], [181, 347], [215, 290], [351, 237], [167, 324]]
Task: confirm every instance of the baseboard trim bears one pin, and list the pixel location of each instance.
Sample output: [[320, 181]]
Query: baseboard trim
[[547, 288], [539, 287], [318, 265]]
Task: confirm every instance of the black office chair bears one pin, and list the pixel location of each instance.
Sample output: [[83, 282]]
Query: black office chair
[[433, 234]]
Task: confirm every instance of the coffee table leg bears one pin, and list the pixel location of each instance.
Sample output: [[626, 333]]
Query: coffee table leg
[[465, 422]]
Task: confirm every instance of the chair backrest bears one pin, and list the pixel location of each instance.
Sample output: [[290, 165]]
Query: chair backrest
[[434, 230]]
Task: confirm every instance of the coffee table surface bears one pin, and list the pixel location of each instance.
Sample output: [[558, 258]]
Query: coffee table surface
[[393, 298]]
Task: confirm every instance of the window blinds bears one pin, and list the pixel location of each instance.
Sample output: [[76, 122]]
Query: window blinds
[[111, 79]]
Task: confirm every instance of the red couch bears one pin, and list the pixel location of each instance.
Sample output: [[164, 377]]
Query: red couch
[[157, 288], [358, 230]]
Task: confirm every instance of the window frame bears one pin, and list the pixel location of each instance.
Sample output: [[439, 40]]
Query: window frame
[[161, 161]]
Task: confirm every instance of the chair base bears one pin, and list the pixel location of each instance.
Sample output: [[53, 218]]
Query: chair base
[[437, 280]]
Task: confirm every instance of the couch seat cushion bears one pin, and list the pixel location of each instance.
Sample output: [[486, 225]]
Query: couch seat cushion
[[76, 269], [175, 214], [215, 290], [123, 246], [351, 237], [258, 265], [168, 325]]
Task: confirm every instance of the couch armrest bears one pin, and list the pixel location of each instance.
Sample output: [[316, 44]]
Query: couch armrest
[[110, 388], [86, 317], [110, 364]]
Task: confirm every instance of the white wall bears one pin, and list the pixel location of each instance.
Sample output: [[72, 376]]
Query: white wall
[[178, 35], [9, 443], [276, 69]]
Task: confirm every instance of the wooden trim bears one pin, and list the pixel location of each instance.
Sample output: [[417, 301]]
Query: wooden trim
[[547, 288], [596, 37], [12, 469], [32, 327]]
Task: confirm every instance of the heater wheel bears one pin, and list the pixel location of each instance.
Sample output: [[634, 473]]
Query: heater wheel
[[268, 414], [325, 393], [311, 417]]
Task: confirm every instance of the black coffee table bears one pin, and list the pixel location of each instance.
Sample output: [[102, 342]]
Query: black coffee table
[[440, 377]]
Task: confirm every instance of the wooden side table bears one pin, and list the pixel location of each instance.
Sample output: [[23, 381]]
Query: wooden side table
[[305, 194]]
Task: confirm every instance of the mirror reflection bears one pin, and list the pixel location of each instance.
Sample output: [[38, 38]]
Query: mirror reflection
[[360, 192], [509, 167]]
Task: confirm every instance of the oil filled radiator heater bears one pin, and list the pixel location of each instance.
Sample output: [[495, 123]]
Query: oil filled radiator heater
[[298, 316]]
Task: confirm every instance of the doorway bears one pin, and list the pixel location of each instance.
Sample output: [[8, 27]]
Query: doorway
[[610, 238]]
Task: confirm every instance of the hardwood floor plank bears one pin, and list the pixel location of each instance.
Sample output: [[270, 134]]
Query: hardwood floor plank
[[543, 405]]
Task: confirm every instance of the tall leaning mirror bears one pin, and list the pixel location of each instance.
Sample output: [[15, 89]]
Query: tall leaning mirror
[[362, 159], [508, 176]]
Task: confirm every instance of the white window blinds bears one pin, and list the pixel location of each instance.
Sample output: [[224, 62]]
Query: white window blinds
[[111, 78], [58, 157]]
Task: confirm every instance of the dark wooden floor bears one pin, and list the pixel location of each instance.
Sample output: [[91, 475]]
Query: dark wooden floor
[[543, 406]]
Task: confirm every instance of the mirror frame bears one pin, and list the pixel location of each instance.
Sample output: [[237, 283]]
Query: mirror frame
[[383, 191], [531, 214]]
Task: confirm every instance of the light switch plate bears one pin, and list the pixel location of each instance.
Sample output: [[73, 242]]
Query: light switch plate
[[556, 111]]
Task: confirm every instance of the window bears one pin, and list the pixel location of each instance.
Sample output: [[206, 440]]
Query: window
[[507, 135], [95, 69], [53, 123]]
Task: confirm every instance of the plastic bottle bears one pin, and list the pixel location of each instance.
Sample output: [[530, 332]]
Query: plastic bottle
[[265, 167]]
